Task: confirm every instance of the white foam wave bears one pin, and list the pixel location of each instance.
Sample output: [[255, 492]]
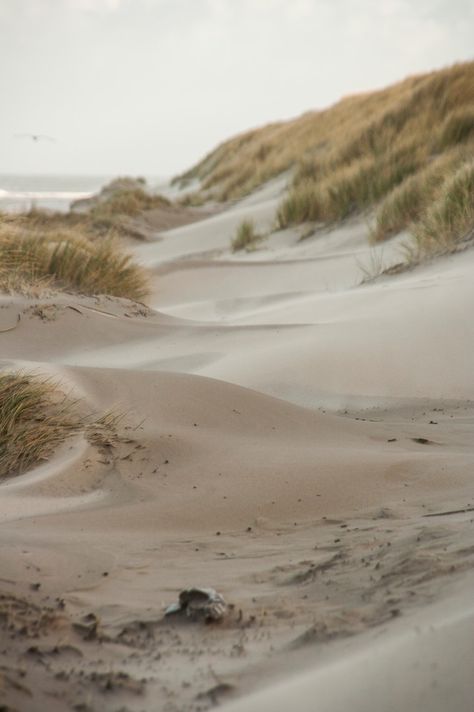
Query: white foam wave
[[43, 195]]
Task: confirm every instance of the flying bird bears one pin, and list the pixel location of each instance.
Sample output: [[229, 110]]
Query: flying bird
[[36, 137]]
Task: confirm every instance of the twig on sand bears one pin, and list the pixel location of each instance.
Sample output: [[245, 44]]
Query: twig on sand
[[10, 328], [452, 511]]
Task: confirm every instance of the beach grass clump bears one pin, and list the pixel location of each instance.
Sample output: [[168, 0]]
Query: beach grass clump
[[129, 202], [302, 204], [246, 236], [112, 209], [348, 188], [400, 208], [39, 218], [35, 417], [365, 181], [406, 203], [67, 260], [448, 222]]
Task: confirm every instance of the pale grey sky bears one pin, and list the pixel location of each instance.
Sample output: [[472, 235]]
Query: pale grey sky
[[149, 86]]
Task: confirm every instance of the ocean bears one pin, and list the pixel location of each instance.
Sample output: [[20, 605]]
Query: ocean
[[54, 192]]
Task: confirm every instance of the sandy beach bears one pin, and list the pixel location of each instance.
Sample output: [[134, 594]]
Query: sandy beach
[[294, 435]]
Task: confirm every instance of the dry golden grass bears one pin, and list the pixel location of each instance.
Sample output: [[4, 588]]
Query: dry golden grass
[[394, 145], [348, 188], [351, 156], [405, 151], [458, 127], [111, 209], [128, 202], [77, 251], [65, 259], [448, 222], [406, 203], [246, 236], [35, 417]]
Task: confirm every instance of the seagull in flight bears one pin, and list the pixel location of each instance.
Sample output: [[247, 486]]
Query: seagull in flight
[[36, 137]]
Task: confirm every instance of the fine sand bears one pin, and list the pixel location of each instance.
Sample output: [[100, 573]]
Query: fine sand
[[293, 436]]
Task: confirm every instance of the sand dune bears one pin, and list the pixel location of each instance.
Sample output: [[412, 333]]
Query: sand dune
[[287, 429]]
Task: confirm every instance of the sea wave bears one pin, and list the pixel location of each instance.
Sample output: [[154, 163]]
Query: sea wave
[[44, 195]]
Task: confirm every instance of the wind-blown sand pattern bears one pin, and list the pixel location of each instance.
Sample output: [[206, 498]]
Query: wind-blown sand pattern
[[294, 438]]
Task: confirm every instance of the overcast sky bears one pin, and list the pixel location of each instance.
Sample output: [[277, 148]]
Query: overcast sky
[[149, 86]]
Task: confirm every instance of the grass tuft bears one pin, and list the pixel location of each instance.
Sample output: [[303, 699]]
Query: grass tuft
[[406, 203], [246, 236], [129, 202], [35, 417], [64, 259], [448, 222], [302, 204], [374, 267], [349, 188]]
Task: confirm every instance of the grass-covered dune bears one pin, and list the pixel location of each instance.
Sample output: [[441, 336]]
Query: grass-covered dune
[[121, 198], [401, 152], [111, 209]]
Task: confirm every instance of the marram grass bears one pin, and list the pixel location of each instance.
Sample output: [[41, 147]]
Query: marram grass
[[64, 259], [35, 417], [448, 222], [112, 209], [428, 113], [407, 202], [246, 236]]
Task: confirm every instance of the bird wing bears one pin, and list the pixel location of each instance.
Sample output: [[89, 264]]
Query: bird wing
[[35, 137]]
